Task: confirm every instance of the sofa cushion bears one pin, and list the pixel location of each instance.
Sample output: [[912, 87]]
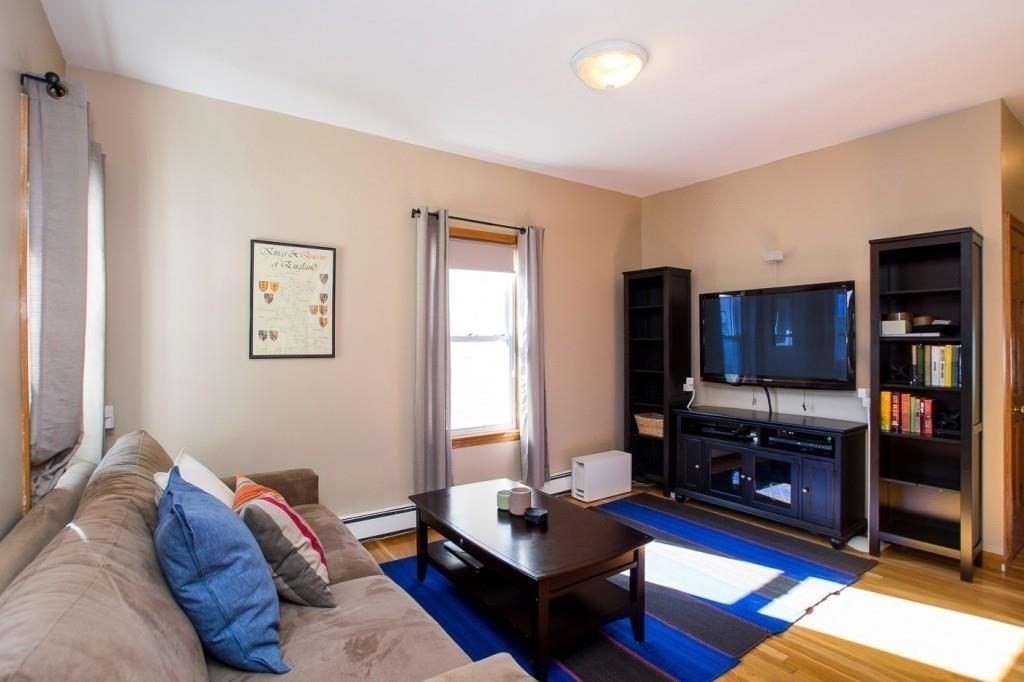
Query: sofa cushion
[[196, 473], [346, 557], [94, 604], [292, 549], [377, 632], [219, 577], [497, 668]]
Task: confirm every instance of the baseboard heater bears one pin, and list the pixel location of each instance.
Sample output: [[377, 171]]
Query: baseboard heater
[[385, 522]]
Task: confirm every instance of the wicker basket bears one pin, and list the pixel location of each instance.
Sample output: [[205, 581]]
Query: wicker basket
[[650, 424]]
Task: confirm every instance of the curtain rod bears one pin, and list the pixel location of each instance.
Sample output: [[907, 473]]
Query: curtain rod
[[54, 88], [521, 230]]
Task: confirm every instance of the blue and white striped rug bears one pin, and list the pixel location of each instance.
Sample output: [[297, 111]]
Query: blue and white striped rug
[[716, 587]]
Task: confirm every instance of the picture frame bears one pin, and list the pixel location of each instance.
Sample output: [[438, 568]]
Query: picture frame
[[292, 290]]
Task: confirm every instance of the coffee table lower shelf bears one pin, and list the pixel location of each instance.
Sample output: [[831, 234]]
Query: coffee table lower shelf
[[573, 614]]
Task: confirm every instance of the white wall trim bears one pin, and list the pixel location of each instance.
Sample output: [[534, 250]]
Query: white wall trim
[[401, 519]]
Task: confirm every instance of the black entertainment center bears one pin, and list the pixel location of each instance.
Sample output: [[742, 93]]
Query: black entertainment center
[[803, 471]]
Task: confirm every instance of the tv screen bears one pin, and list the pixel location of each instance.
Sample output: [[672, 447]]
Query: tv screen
[[798, 337]]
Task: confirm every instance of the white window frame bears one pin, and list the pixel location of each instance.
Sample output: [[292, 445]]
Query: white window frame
[[492, 433]]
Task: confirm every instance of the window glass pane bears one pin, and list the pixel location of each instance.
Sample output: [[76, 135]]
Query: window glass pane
[[482, 348], [481, 384], [480, 302]]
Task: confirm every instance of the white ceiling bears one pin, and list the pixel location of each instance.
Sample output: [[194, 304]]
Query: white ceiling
[[730, 84]]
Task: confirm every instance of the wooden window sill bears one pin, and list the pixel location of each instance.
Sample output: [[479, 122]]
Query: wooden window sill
[[484, 439]]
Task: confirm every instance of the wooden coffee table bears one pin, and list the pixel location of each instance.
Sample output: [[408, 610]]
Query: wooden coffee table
[[549, 585]]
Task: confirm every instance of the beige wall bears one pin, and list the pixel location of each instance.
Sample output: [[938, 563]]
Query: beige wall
[[1012, 163], [821, 208], [190, 180], [26, 44]]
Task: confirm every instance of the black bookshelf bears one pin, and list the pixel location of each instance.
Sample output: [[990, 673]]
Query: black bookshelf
[[656, 321], [925, 490]]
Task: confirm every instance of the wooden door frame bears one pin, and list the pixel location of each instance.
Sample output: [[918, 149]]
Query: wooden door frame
[[1010, 223]]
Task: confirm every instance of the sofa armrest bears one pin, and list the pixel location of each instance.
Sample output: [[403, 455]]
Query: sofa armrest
[[497, 668], [298, 486]]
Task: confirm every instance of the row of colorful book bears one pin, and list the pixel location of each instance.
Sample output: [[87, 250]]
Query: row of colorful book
[[935, 365], [906, 413]]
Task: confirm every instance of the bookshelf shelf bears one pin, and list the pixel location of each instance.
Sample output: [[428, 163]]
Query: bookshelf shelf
[[918, 292], [936, 274], [918, 436], [657, 362], [918, 388], [919, 531], [939, 485], [926, 340]]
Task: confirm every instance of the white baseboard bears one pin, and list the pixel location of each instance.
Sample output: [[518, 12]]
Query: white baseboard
[[402, 519]]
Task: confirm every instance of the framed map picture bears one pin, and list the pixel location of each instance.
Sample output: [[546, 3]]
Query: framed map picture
[[291, 300]]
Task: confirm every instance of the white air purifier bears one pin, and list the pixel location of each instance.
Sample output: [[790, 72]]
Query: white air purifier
[[601, 475]]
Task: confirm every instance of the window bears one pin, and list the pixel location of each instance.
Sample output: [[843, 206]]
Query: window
[[482, 322]]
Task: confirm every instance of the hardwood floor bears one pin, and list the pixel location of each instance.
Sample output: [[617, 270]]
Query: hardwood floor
[[835, 640]]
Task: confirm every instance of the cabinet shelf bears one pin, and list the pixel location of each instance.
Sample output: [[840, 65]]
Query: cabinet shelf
[[652, 306]]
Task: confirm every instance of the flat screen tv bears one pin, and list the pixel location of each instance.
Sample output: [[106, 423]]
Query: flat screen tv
[[794, 337]]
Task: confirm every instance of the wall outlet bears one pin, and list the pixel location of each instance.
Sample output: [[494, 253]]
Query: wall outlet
[[773, 257], [108, 416], [688, 385]]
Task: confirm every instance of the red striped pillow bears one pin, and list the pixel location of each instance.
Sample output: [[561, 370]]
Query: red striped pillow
[[294, 553]]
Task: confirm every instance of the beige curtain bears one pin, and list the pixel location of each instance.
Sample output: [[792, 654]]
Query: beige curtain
[[533, 422], [58, 147], [432, 453]]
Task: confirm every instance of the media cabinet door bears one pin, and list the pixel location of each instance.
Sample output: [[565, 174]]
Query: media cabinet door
[[773, 483], [690, 465], [817, 496]]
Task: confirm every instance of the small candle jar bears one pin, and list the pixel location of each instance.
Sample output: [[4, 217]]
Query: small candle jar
[[503, 496], [519, 499]]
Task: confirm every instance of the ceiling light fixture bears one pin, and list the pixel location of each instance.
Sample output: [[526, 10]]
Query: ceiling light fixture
[[609, 64]]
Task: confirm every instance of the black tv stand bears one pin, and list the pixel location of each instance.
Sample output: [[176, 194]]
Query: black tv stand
[[807, 472]]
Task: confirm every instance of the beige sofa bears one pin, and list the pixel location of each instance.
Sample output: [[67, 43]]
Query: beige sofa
[[93, 604]]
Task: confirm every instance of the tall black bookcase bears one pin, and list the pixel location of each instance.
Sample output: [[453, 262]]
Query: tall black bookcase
[[657, 362], [925, 490]]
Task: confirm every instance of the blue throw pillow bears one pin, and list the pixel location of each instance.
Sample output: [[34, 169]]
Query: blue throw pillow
[[219, 577]]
